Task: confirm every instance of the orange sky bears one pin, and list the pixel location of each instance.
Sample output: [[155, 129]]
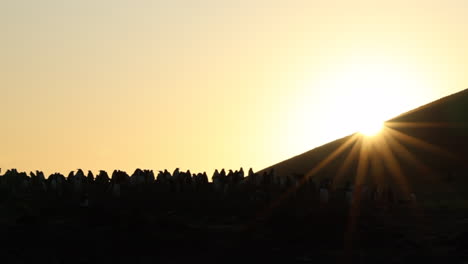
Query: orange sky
[[210, 84]]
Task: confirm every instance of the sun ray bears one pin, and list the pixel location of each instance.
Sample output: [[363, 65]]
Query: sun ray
[[406, 187], [422, 168], [394, 167], [363, 163], [331, 157], [348, 161], [421, 144], [397, 147], [376, 166], [309, 174], [324, 162], [392, 124]]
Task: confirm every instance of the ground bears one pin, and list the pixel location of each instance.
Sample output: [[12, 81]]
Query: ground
[[228, 231]]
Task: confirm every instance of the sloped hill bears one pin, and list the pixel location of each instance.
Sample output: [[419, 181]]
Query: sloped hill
[[427, 145]]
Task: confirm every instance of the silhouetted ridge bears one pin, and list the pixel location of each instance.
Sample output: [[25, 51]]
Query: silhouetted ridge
[[426, 144], [451, 108]]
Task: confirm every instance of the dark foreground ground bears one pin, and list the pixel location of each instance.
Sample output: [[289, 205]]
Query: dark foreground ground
[[225, 231]]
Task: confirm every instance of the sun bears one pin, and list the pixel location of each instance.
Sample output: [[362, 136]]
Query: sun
[[366, 93], [371, 129], [355, 94], [369, 115]]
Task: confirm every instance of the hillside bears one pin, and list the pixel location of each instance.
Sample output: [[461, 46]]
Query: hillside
[[427, 146]]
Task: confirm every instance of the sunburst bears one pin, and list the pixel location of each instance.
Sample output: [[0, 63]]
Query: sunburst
[[377, 153]]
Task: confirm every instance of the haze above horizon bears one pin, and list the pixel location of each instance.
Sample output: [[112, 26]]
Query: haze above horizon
[[206, 84]]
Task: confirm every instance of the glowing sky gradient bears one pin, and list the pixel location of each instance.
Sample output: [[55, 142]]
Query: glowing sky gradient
[[205, 84]]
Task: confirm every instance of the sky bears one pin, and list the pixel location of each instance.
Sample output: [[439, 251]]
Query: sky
[[208, 84]]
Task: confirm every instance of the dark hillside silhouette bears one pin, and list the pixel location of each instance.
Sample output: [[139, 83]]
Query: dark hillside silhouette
[[429, 144]]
